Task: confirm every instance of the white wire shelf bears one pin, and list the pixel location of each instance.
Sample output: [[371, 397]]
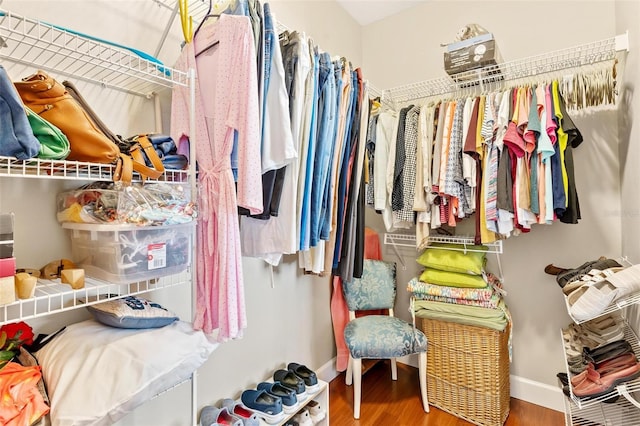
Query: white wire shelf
[[619, 413], [37, 44], [73, 170], [620, 390], [409, 240], [51, 296], [530, 67]]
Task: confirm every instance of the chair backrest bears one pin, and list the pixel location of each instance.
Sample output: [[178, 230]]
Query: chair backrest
[[375, 290]]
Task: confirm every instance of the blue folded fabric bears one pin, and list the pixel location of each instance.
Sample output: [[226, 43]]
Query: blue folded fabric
[[16, 136]]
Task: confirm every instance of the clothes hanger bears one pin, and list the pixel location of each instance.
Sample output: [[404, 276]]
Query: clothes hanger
[[207, 16], [186, 20]]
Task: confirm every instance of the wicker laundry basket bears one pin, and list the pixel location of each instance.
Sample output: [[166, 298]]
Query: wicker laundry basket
[[468, 371]]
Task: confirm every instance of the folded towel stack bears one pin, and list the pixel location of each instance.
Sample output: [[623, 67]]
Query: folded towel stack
[[454, 286]]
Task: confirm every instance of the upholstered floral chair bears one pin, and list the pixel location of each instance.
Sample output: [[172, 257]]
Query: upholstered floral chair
[[379, 336]]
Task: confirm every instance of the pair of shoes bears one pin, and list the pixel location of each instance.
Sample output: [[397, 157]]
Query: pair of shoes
[[316, 411], [576, 338], [596, 384], [310, 378], [290, 380], [591, 277], [264, 404], [289, 399], [214, 416], [303, 418], [239, 410], [624, 360], [601, 265], [592, 334], [599, 355], [563, 277], [592, 298]]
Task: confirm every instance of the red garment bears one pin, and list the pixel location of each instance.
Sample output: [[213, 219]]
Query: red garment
[[339, 310], [20, 401]]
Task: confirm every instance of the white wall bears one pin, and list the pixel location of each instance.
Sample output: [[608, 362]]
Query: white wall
[[406, 48], [289, 322], [627, 17]]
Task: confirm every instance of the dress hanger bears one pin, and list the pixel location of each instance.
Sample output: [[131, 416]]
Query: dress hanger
[[207, 16]]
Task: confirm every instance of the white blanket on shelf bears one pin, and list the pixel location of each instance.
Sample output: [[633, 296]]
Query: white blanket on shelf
[[96, 374]]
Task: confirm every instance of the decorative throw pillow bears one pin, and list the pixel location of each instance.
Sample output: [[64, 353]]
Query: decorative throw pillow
[[96, 374], [452, 279], [132, 312], [445, 258]]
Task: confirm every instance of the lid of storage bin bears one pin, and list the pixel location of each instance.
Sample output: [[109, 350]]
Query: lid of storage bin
[[110, 227]]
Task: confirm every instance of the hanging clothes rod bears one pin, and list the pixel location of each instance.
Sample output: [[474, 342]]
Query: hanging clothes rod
[[572, 57]]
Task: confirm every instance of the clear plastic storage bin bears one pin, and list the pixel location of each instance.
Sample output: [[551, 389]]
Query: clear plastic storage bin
[[128, 253]]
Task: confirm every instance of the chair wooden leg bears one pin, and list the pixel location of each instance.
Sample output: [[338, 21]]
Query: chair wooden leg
[[394, 369], [357, 382], [348, 378], [422, 372]]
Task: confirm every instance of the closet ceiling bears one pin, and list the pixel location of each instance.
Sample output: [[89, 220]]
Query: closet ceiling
[[367, 11]]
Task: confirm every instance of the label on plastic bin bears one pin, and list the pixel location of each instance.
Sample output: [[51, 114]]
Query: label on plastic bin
[[156, 256]]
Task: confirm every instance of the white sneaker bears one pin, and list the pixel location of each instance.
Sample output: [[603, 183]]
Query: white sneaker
[[303, 418], [316, 411]]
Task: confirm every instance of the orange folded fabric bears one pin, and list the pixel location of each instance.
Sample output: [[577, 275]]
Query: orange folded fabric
[[20, 401]]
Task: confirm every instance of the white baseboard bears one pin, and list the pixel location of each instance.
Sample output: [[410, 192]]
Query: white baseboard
[[328, 372], [537, 393]]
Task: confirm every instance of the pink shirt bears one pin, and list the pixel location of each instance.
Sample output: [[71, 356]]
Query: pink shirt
[[551, 125], [223, 55]]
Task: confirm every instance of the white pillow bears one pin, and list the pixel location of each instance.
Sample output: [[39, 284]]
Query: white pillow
[[96, 374]]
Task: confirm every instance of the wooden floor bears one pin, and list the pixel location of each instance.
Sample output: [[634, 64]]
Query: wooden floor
[[397, 403]]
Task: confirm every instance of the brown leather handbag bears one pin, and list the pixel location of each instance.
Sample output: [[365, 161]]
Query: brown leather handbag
[[50, 100], [90, 140]]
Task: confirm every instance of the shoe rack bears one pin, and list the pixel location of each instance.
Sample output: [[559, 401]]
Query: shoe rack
[[28, 44], [617, 407]]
